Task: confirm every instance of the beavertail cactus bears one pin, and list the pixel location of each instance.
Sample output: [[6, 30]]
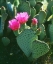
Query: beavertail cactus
[[25, 23], [28, 37], [39, 48]]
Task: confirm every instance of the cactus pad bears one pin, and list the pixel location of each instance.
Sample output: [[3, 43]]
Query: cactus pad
[[49, 6], [43, 33], [51, 32], [39, 48], [5, 41], [32, 3], [42, 16], [33, 12], [25, 7], [25, 39]]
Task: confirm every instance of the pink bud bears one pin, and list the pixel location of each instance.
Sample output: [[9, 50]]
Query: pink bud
[[22, 17], [14, 24], [34, 21]]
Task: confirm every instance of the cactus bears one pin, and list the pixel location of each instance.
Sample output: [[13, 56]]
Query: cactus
[[51, 32], [25, 7], [39, 48], [25, 39], [2, 20], [16, 3], [38, 7], [43, 33], [41, 17], [5, 41], [32, 3], [33, 44], [52, 9], [10, 9], [39, 0], [49, 6], [1, 32], [26, 42], [33, 12]]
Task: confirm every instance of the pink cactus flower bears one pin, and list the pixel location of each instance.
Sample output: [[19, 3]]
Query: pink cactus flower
[[14, 24], [22, 17], [34, 21]]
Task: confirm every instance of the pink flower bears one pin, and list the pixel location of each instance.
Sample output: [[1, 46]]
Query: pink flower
[[34, 21], [14, 24], [22, 17]]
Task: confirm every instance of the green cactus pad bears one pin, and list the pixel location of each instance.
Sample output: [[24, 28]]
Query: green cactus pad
[[3, 19], [25, 7], [10, 9], [50, 4], [37, 16], [1, 31], [25, 39], [38, 6], [42, 16], [39, 48], [52, 9], [5, 41], [0, 23], [39, 0], [33, 12], [12, 1], [32, 3], [16, 3], [51, 32], [43, 33]]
